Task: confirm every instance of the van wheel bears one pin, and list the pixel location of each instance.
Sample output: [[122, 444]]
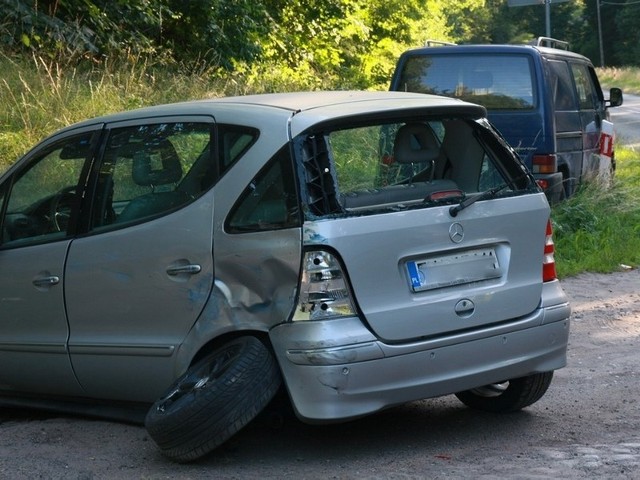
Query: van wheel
[[509, 396], [214, 399]]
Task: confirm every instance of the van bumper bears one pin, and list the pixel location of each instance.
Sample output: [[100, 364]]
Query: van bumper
[[337, 370]]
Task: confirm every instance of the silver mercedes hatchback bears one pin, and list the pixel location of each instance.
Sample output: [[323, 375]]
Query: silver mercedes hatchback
[[180, 264]]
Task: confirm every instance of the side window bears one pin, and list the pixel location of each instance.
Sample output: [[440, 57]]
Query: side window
[[587, 96], [269, 202], [150, 170], [562, 89], [39, 202], [234, 141]]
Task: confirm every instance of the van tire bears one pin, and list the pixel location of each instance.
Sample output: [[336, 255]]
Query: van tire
[[214, 399], [508, 396]]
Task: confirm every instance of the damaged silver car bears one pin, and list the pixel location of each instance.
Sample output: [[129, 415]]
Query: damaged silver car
[[182, 263]]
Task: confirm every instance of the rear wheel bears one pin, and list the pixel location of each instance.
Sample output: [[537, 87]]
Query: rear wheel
[[214, 399], [508, 396]]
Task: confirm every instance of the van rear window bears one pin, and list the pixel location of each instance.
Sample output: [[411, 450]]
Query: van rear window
[[498, 82]]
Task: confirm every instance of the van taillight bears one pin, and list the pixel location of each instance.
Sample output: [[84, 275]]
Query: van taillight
[[549, 262], [544, 164]]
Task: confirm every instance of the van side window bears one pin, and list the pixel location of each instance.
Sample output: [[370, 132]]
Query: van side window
[[586, 90], [562, 89]]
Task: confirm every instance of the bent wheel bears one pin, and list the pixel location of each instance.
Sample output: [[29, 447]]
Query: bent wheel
[[508, 396], [214, 399]]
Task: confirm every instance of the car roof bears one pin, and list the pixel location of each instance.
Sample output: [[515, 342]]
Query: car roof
[[494, 49], [308, 108]]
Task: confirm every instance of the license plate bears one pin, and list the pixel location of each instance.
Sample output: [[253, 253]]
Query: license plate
[[459, 268]]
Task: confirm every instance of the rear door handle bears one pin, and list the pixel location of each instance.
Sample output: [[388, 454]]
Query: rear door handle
[[190, 269]]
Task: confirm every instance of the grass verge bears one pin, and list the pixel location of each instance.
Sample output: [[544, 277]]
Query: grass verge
[[598, 229], [627, 78]]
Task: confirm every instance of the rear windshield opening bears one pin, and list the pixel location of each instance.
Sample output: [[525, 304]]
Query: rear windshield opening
[[408, 164], [498, 82]]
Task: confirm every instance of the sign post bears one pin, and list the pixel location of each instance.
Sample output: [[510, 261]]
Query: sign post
[[547, 5]]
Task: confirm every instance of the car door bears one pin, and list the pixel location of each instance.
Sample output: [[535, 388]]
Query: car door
[[137, 282], [39, 200]]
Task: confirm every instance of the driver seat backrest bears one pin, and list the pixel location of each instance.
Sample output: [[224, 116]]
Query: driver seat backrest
[[164, 155]]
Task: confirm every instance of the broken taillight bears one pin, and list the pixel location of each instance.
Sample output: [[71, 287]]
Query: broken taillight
[[549, 262], [324, 292]]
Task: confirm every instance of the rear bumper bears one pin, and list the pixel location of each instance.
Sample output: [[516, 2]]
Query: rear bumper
[[337, 370]]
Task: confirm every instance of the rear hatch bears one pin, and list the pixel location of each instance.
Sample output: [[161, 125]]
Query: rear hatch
[[411, 279], [439, 227]]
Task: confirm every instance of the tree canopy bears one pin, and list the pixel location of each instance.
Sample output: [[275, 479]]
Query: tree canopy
[[346, 42]]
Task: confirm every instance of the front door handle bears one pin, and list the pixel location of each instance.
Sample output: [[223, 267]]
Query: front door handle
[[190, 269]]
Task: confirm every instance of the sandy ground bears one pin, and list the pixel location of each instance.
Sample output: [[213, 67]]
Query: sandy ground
[[586, 426]]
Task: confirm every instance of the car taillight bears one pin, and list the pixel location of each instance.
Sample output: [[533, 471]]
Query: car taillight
[[549, 262], [543, 184], [544, 164], [324, 292]]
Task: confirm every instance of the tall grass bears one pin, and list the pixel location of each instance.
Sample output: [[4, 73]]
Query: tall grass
[[39, 97], [598, 229], [627, 78]]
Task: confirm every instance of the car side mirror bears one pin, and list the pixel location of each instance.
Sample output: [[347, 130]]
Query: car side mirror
[[615, 97]]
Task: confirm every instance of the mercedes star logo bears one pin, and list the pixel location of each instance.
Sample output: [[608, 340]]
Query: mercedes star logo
[[456, 232]]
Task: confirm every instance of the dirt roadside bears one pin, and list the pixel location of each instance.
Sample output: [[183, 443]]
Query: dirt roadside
[[587, 426]]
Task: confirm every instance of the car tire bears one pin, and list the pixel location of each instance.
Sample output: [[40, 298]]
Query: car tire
[[214, 399], [509, 396]]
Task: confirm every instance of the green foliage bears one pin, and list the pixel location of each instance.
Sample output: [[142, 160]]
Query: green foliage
[[356, 152], [346, 43], [598, 229]]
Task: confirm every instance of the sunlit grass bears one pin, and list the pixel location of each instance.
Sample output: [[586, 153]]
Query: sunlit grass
[[39, 97], [598, 229], [627, 78]]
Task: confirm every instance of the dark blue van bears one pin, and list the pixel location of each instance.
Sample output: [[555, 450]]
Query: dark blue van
[[545, 100]]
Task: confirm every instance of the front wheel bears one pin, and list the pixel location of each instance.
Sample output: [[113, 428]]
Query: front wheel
[[508, 396], [214, 399]]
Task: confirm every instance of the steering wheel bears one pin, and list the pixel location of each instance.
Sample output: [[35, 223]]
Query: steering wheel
[[60, 208]]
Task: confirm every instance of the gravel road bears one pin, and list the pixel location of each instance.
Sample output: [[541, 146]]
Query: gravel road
[[586, 426]]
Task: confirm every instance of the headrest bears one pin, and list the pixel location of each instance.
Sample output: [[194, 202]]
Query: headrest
[[415, 143], [162, 154]]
